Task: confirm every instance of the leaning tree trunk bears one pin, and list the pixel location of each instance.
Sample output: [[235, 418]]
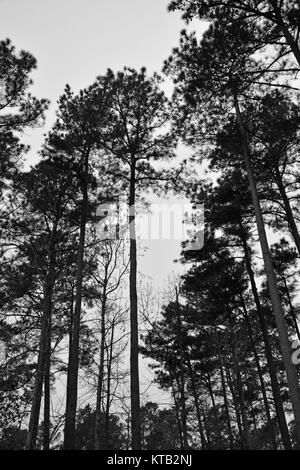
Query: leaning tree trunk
[[291, 372], [269, 357], [260, 375], [72, 379], [134, 330], [291, 41]]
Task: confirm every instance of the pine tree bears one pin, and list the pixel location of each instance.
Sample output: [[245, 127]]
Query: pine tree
[[221, 72]]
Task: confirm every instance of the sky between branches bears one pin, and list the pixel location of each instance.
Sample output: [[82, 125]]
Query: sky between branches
[[76, 40]]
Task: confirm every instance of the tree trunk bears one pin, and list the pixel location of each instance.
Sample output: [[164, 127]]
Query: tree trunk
[[72, 379], [134, 330], [195, 396], [212, 397], [291, 372], [285, 31], [260, 375], [47, 392], [182, 377], [269, 356], [177, 414], [239, 383], [224, 389], [235, 403], [182, 410], [101, 363], [207, 431], [109, 364]]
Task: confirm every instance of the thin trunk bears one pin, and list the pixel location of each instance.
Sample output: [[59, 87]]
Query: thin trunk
[[260, 375], [109, 364], [224, 390], [285, 31], [235, 403], [212, 397], [177, 415], [255, 424], [292, 43], [195, 396], [207, 431], [269, 355], [134, 330], [47, 392], [182, 377], [97, 436], [291, 372], [72, 379], [182, 410], [70, 329], [239, 384]]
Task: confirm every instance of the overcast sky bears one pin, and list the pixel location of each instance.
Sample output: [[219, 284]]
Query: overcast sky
[[76, 40]]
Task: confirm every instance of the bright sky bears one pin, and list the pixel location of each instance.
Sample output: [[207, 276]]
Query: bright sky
[[76, 40]]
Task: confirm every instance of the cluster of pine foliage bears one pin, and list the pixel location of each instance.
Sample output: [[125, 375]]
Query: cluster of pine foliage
[[225, 345]]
